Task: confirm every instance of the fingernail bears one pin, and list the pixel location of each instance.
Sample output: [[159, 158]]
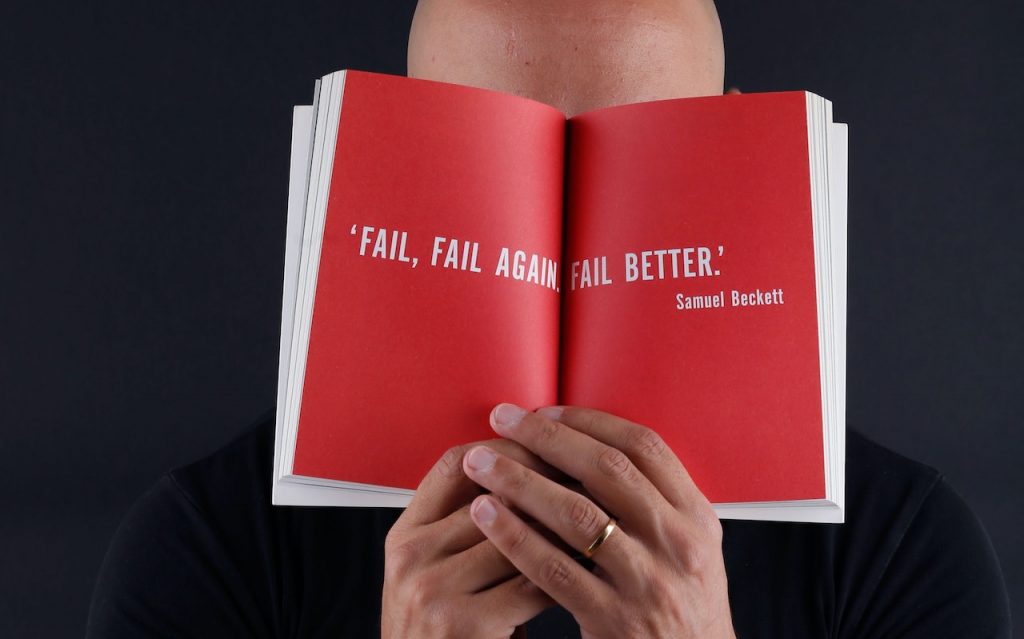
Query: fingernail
[[506, 416], [480, 459], [483, 511], [554, 413]]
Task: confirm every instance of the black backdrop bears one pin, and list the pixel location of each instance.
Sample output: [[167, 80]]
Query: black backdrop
[[142, 198]]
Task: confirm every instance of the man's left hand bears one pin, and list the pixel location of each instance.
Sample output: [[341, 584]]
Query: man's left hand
[[659, 573]]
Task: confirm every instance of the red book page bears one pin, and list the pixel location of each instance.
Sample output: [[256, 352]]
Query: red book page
[[406, 361], [733, 389]]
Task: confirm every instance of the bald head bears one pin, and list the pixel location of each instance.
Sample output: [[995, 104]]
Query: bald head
[[575, 55]]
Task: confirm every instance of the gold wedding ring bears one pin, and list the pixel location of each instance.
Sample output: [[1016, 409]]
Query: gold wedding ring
[[609, 528]]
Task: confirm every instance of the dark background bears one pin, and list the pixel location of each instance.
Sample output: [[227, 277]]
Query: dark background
[[144, 173]]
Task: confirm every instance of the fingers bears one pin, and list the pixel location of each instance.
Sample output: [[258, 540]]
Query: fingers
[[454, 533], [570, 515], [605, 471], [516, 601], [554, 572], [643, 446], [445, 488], [478, 568]]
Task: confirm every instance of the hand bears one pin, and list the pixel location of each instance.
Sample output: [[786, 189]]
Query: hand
[[442, 577], [659, 574]]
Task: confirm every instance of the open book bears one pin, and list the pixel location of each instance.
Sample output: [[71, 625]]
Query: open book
[[679, 263]]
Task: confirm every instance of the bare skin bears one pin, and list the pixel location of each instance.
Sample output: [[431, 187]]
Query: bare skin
[[442, 577], [485, 544], [576, 55]]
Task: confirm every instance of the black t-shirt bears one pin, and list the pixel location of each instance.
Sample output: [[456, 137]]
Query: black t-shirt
[[204, 554]]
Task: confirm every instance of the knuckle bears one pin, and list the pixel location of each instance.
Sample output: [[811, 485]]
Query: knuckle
[[660, 584], [450, 464], [711, 525], [393, 538], [581, 514], [704, 517], [517, 539], [556, 573], [517, 481], [645, 443], [614, 463], [401, 557], [589, 420], [524, 587], [695, 543], [546, 431], [422, 591], [694, 557]]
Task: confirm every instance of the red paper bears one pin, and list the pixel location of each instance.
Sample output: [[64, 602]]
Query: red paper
[[404, 362], [735, 391]]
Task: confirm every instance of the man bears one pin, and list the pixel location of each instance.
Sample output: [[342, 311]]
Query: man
[[204, 554]]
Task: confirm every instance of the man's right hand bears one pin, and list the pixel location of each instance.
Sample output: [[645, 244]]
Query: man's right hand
[[442, 577]]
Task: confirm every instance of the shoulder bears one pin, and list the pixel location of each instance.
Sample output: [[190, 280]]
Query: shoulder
[[894, 502], [204, 553], [232, 486], [912, 560], [882, 485], [936, 573], [171, 565]]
